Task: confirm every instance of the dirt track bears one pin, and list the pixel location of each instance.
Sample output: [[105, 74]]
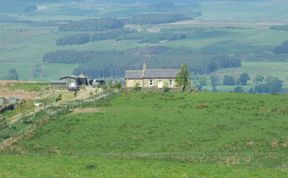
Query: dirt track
[[86, 110]]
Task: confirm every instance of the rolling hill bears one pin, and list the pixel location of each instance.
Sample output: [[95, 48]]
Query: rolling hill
[[159, 134]]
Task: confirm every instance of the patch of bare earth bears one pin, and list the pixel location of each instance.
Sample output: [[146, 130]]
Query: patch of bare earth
[[86, 110], [22, 94]]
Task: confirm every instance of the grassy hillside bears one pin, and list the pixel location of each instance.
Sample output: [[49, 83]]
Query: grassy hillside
[[86, 167], [198, 134]]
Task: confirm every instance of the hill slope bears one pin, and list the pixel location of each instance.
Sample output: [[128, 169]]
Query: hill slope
[[211, 130]]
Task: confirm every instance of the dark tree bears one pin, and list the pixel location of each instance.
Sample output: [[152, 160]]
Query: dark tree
[[12, 75], [244, 77], [271, 85], [259, 78], [183, 77], [229, 80], [238, 90], [213, 80], [251, 91]]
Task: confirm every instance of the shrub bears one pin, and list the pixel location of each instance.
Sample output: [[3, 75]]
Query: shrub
[[12, 75], [229, 80], [137, 87], [259, 78], [238, 90], [271, 85], [244, 77]]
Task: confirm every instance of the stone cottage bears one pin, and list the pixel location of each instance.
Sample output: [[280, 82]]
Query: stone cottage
[[151, 78]]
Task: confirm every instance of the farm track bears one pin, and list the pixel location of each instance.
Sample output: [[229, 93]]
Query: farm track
[[17, 117]]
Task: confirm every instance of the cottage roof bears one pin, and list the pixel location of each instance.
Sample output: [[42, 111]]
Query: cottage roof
[[151, 73], [133, 74]]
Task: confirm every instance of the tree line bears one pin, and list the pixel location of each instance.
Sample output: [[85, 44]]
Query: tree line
[[120, 34], [102, 24], [270, 84], [92, 25], [90, 37], [279, 27], [282, 48], [102, 64], [141, 37]]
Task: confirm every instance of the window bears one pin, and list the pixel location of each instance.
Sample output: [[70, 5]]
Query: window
[[170, 82], [151, 83]]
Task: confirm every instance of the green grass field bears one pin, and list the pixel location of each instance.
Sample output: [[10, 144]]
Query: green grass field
[[279, 69], [86, 167], [160, 135], [245, 10]]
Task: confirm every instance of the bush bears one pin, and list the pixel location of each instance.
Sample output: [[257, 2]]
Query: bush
[[271, 85], [116, 85], [238, 90], [229, 80], [244, 77], [259, 78], [28, 121], [137, 87], [166, 88], [12, 75], [251, 91]]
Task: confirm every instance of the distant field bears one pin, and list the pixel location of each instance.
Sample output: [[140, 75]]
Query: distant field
[[50, 71], [25, 45], [245, 10], [235, 28], [279, 69]]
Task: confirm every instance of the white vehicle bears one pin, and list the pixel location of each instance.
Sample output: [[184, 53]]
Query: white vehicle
[[73, 87]]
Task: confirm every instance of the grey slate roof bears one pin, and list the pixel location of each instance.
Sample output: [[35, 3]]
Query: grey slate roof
[[151, 73], [133, 74]]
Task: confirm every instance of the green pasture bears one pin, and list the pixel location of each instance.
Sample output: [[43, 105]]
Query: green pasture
[[24, 69], [201, 134], [35, 86], [279, 69], [245, 10], [159, 135], [85, 167]]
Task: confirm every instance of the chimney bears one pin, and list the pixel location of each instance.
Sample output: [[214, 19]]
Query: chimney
[[144, 68]]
